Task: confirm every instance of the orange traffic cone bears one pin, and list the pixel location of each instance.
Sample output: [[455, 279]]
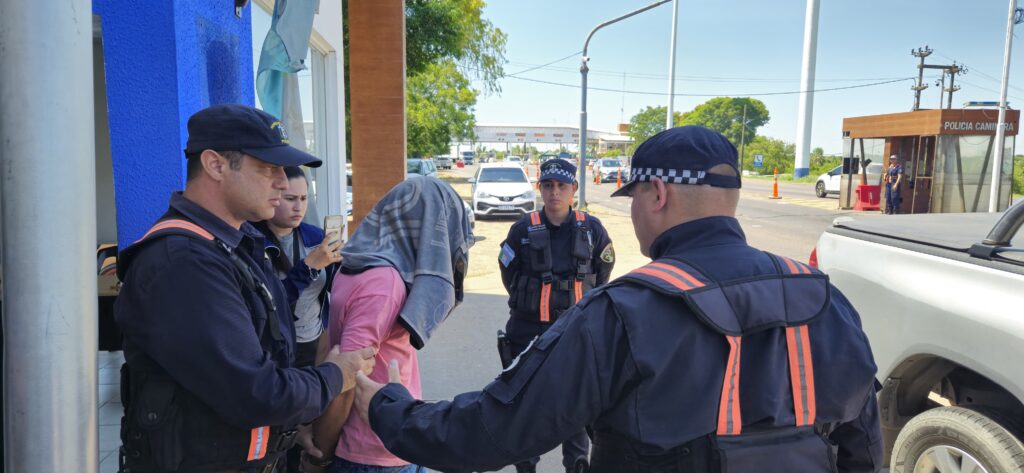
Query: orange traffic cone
[[775, 186], [597, 178], [618, 179]]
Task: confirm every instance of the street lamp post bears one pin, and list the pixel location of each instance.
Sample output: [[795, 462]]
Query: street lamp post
[[583, 109]]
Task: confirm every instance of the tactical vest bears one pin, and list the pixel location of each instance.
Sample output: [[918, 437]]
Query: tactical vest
[[802, 447], [166, 428], [536, 286]]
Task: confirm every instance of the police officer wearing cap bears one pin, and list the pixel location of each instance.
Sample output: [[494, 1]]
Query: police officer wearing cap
[[893, 181], [549, 261], [715, 357], [208, 383]]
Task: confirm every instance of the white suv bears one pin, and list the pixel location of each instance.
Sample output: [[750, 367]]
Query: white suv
[[502, 189]]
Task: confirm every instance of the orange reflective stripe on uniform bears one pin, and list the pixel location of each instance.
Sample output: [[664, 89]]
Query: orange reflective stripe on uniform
[[535, 218], [258, 439], [801, 374], [545, 302], [670, 274], [795, 267], [729, 421], [578, 290], [179, 224]]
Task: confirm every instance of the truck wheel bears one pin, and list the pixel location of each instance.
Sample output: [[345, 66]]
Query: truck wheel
[[819, 189], [958, 440]]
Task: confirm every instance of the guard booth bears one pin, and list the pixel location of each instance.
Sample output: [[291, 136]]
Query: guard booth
[[946, 155]]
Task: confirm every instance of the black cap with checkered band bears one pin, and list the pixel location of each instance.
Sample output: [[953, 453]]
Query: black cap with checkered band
[[683, 155]]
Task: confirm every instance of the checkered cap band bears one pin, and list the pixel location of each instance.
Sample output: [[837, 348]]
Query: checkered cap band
[[669, 176], [551, 171]]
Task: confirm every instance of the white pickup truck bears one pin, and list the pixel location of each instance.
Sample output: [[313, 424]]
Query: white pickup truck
[[943, 307]]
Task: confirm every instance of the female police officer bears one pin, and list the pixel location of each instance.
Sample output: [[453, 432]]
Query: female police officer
[[548, 262]]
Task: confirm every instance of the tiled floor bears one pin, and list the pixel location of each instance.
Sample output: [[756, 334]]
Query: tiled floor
[[110, 409]]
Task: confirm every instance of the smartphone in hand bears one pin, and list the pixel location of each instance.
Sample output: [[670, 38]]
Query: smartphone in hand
[[332, 227]]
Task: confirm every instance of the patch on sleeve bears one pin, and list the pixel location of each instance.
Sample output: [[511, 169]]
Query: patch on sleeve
[[507, 255], [608, 254]]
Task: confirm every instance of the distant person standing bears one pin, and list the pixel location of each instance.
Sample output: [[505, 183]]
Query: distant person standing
[[893, 180]]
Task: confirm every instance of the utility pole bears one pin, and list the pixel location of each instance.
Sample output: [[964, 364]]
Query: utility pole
[[743, 135], [997, 163], [802, 165], [920, 53], [669, 121], [941, 84], [953, 71]]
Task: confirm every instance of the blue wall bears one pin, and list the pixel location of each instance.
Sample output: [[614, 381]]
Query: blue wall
[[165, 60]]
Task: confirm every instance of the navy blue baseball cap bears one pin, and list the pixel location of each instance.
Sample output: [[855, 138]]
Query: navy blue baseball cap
[[237, 127], [683, 155], [558, 169]]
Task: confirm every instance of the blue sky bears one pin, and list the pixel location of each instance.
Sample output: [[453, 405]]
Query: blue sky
[[744, 47]]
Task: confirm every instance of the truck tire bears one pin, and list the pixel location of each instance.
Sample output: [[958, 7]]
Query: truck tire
[[957, 439]]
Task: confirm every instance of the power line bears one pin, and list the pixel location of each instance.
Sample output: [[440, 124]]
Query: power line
[[544, 65], [984, 75], [687, 78], [761, 94]]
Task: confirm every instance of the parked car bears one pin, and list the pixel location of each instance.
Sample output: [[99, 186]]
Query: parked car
[[420, 167], [941, 304], [609, 170], [514, 159], [469, 212], [443, 162], [502, 189], [828, 183]]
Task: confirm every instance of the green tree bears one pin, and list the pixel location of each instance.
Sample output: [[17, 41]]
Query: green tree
[[649, 122], [1018, 174], [777, 153], [725, 115], [821, 163], [439, 30], [439, 106]]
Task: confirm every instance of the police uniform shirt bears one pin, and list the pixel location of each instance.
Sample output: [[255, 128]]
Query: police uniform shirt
[[516, 245], [653, 376], [183, 306]]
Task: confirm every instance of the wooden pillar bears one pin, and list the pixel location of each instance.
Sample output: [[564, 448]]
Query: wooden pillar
[[377, 93]]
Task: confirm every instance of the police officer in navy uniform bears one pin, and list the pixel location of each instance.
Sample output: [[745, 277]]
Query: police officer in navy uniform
[[208, 383], [549, 261], [715, 357]]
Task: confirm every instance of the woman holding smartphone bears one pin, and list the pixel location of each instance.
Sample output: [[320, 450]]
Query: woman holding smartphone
[[305, 262]]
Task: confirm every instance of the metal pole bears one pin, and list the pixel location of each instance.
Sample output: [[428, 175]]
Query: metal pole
[[743, 136], [997, 163], [669, 121], [583, 133], [583, 97], [49, 189], [952, 88], [803, 124]]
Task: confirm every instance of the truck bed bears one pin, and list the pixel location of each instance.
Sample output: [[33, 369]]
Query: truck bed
[[945, 235]]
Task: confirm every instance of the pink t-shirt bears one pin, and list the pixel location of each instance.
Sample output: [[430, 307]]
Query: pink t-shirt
[[364, 312]]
